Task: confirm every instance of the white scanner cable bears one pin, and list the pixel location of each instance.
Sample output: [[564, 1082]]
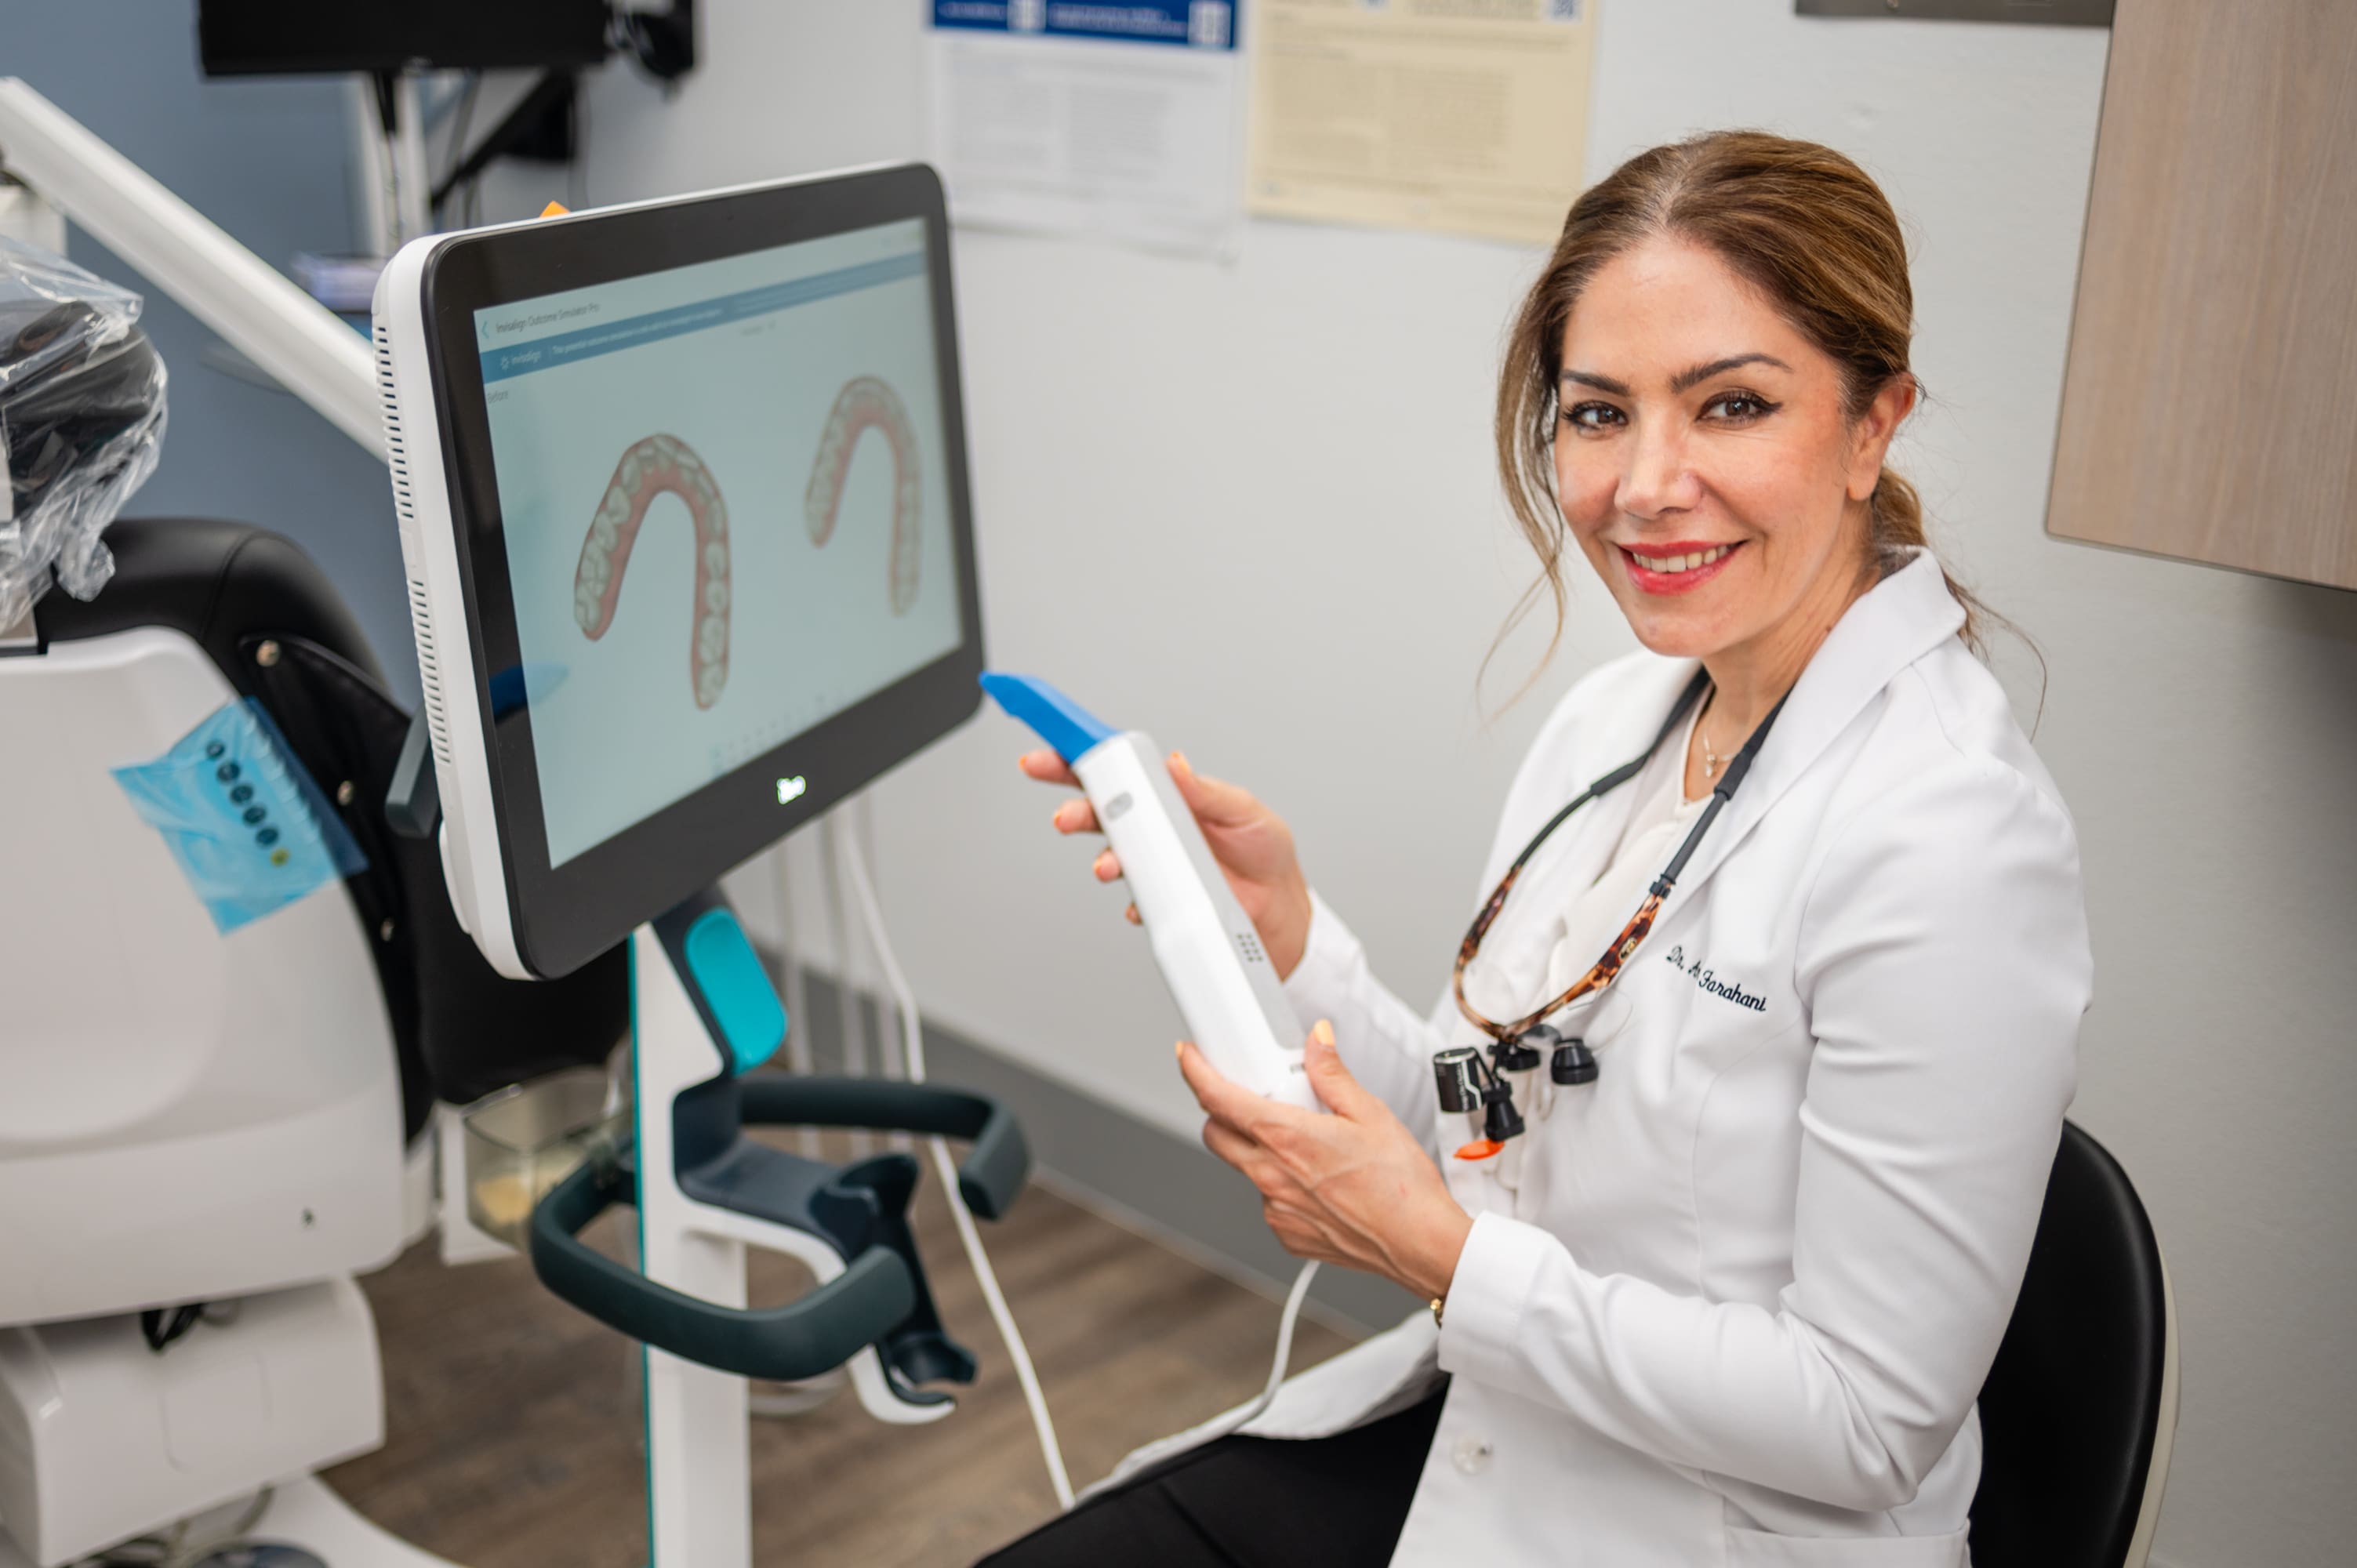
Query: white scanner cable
[[1284, 1322], [912, 1028], [913, 1034]]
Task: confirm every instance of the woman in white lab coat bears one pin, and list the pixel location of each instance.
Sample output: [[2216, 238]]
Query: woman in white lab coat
[[1730, 1301]]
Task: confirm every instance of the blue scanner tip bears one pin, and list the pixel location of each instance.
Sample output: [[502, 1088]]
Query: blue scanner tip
[[1063, 723]]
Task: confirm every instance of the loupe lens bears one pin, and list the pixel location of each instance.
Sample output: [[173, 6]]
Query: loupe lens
[[1453, 1074]]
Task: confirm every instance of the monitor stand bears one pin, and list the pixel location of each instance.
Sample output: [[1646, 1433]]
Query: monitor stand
[[703, 1017]]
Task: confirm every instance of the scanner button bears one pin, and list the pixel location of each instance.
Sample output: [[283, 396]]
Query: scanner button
[[1472, 1455], [1118, 807]]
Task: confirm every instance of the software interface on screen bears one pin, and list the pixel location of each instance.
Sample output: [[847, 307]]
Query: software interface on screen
[[725, 511]]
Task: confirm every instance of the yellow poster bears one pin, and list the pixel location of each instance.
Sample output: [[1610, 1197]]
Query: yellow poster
[[1466, 116]]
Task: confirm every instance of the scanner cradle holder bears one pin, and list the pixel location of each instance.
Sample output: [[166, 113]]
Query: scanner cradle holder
[[705, 1016], [859, 1210]]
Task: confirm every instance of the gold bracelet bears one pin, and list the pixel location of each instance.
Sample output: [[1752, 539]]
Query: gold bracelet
[[1438, 1303]]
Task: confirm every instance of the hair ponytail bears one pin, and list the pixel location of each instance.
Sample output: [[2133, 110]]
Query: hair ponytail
[[1895, 524], [1896, 514]]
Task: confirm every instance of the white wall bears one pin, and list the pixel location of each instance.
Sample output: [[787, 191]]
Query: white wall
[[1251, 508]]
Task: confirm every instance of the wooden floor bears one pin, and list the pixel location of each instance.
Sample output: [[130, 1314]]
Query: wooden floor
[[513, 1424]]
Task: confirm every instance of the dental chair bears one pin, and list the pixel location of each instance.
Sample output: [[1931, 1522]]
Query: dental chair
[[204, 1137]]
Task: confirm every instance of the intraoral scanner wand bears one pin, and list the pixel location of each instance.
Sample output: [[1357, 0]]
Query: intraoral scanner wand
[[1210, 953]]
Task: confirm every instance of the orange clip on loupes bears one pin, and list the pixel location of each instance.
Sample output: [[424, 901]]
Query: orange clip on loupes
[[556, 210], [1480, 1149]]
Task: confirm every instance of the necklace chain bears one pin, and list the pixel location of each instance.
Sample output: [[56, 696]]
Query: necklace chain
[[1711, 760]]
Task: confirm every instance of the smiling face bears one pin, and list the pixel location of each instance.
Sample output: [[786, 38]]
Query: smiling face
[[1706, 461]]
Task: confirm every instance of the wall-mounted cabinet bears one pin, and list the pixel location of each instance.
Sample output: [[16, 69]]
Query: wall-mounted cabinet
[[2210, 408]]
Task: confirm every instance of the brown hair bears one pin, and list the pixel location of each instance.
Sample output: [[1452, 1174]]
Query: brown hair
[[1805, 226]]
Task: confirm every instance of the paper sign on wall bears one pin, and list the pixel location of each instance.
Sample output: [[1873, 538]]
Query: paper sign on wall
[[1118, 120], [1467, 116]]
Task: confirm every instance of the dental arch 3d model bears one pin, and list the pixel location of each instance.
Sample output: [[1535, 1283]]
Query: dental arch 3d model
[[665, 463], [864, 404], [650, 468]]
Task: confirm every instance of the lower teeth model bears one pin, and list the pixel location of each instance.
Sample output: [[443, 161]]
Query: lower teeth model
[[868, 404]]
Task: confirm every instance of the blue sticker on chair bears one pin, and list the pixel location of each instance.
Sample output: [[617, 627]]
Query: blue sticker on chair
[[735, 988], [249, 830]]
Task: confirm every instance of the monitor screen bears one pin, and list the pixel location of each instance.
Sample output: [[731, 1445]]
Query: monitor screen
[[725, 511], [691, 544]]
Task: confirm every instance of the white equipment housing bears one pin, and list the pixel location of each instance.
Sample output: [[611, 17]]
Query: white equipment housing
[[188, 1116], [100, 1437]]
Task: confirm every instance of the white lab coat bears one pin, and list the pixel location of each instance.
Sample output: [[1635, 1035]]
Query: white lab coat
[[1733, 1303]]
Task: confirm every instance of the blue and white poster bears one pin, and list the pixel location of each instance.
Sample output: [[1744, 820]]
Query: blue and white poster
[[1118, 120]]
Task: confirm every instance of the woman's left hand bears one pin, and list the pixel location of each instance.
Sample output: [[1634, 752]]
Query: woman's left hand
[[1353, 1189]]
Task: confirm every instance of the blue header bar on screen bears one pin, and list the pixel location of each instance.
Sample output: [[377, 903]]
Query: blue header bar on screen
[[1186, 24], [611, 336]]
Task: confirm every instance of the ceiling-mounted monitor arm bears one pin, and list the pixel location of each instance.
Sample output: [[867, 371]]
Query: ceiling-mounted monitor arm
[[554, 94], [296, 340], [662, 41], [389, 130]]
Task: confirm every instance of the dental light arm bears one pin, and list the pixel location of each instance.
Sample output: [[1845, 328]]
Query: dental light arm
[[296, 340]]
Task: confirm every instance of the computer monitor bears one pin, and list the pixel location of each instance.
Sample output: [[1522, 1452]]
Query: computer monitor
[[242, 37], [684, 505]]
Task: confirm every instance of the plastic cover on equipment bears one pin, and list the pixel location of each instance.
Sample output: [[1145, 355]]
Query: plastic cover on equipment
[[249, 827], [81, 421]]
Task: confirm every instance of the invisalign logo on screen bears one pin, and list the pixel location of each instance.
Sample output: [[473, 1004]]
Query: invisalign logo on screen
[[791, 789]]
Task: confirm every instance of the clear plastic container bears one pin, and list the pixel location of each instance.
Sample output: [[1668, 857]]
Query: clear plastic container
[[523, 1141]]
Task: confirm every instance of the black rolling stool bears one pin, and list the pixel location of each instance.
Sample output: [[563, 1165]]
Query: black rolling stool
[[2080, 1408]]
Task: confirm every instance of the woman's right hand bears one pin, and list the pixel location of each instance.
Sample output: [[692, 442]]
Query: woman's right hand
[[1252, 844]]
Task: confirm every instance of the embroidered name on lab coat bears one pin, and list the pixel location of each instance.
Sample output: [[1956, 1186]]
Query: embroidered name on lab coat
[[1707, 978]]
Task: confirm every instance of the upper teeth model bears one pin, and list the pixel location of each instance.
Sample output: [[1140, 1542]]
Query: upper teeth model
[[1673, 563], [651, 467]]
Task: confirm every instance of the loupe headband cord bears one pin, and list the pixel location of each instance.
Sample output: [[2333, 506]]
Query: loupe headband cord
[[1633, 935]]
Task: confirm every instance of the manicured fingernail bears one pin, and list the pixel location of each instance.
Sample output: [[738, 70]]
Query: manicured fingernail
[[1324, 1031], [1179, 757], [1180, 1050]]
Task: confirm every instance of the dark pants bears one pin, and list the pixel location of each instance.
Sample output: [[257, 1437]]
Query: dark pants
[[1250, 1502]]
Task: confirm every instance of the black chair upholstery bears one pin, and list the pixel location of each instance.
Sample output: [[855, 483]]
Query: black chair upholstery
[[2073, 1405], [460, 1028]]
